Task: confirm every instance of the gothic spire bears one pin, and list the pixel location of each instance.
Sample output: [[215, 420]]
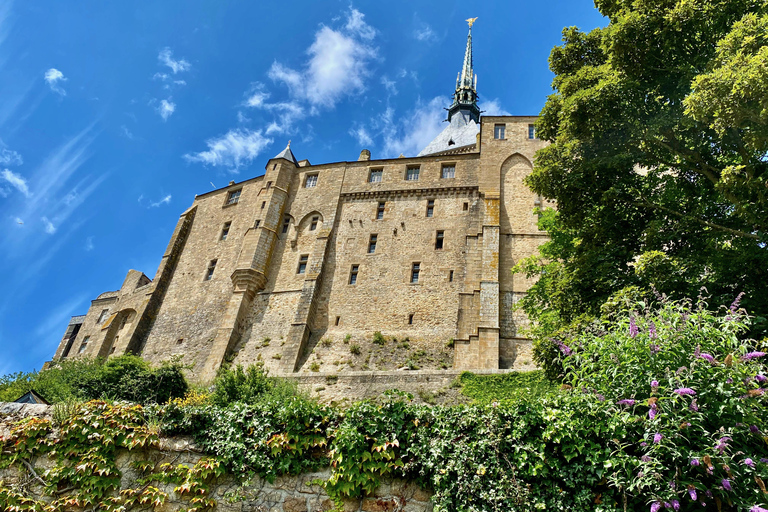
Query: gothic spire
[[465, 96]]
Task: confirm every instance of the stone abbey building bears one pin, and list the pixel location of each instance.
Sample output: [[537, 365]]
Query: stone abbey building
[[418, 248]]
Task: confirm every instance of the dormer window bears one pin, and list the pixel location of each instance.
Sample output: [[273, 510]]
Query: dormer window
[[310, 181], [233, 196]]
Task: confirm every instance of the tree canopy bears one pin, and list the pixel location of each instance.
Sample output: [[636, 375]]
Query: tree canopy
[[659, 159]]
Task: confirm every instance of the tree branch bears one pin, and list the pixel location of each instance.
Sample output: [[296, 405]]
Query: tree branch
[[701, 221], [34, 474]]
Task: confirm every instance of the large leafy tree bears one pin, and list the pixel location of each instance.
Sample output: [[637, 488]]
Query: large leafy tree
[[658, 161]]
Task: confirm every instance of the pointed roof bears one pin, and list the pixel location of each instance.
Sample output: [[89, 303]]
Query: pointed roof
[[287, 154], [463, 114]]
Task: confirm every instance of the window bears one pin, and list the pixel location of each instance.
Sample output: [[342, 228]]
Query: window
[[225, 231], [234, 196], [263, 204], [313, 224], [412, 173], [269, 185], [257, 223], [531, 131], [286, 224], [415, 269], [180, 341], [449, 171], [102, 316], [84, 344], [439, 239], [123, 322], [372, 244], [380, 211], [209, 272], [338, 319], [302, 263], [410, 319], [430, 207], [498, 131], [310, 181], [450, 276], [353, 274], [375, 176], [112, 350], [466, 206]]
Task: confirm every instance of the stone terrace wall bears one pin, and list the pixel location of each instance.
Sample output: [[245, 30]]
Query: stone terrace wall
[[286, 494]]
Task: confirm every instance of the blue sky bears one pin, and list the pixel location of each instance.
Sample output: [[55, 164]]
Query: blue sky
[[113, 115]]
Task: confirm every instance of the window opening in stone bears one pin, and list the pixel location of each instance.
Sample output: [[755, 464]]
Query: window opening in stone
[[84, 344], [450, 276], [257, 223], [439, 239], [234, 196], [313, 225], [498, 131], [353, 275], [380, 211], [311, 181], [531, 131], [269, 185], [211, 268], [412, 173], [263, 204], [410, 319], [372, 244], [375, 176], [225, 230], [286, 224], [180, 341], [338, 319], [430, 207], [302, 263], [448, 171], [102, 316], [466, 206], [415, 269]]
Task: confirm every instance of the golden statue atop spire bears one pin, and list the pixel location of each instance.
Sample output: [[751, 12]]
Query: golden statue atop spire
[[471, 21]]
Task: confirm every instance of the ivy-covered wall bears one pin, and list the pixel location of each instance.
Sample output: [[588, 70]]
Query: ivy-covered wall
[[148, 472]]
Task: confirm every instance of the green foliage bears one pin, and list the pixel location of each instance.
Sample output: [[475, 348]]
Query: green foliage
[[250, 386], [659, 131], [119, 378], [379, 338], [355, 349], [485, 389]]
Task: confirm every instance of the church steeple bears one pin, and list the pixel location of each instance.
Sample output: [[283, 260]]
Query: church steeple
[[465, 96]]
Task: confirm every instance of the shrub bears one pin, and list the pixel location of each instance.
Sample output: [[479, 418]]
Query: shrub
[[493, 388], [315, 366], [326, 342], [347, 338], [379, 338], [250, 386], [355, 349]]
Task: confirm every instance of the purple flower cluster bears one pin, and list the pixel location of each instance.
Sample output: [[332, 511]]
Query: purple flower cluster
[[708, 357], [736, 302], [752, 355], [726, 484], [626, 401], [760, 378], [654, 385], [655, 349], [694, 462], [652, 330], [632, 327], [684, 391], [749, 462], [722, 444], [692, 492], [657, 438], [694, 406], [565, 349], [653, 411], [757, 508]]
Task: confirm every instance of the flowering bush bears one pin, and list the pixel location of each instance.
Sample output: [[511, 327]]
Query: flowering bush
[[696, 393]]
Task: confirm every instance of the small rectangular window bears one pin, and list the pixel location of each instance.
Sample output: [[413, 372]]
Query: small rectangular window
[[415, 269], [372, 244], [211, 269], [439, 239], [286, 224], [498, 131], [257, 223], [234, 196], [448, 171], [380, 211], [83, 344], [313, 224], [310, 181], [410, 319], [102, 316], [466, 206], [353, 274], [430, 207], [338, 319], [269, 185], [225, 231], [450, 276], [302, 263], [412, 173], [531, 131], [375, 175], [263, 204]]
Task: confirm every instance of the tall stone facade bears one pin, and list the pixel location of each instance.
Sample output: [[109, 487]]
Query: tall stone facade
[[418, 248]]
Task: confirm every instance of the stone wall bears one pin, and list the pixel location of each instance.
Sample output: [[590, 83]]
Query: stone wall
[[299, 493]]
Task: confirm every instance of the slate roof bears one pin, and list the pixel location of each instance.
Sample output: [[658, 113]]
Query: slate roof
[[462, 131], [288, 155]]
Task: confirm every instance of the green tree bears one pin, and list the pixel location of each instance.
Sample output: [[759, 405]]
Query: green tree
[[658, 161]]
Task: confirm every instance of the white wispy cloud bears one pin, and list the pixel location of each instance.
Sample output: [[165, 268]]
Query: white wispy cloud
[[362, 136], [232, 150], [424, 33], [8, 157], [88, 244], [15, 180], [53, 76], [49, 227], [166, 109], [415, 131], [389, 85], [492, 108], [166, 57], [165, 200]]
